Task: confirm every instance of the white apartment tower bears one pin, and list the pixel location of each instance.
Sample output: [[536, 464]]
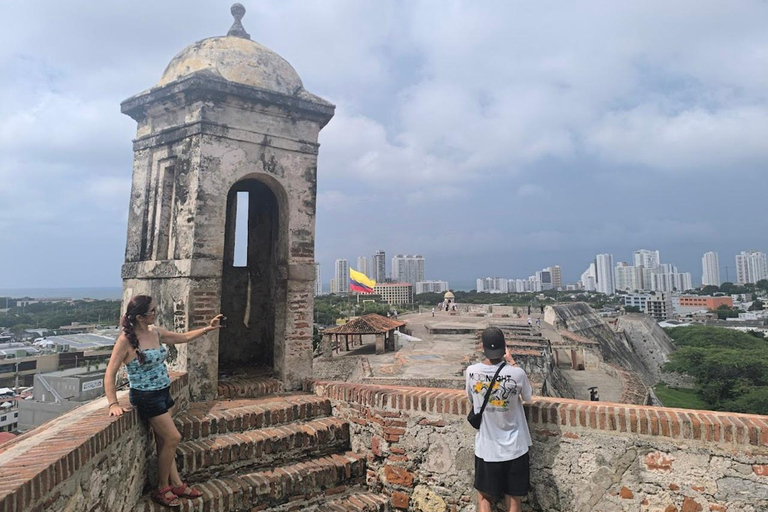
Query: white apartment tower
[[604, 269], [751, 267], [589, 278], [646, 258], [318, 281], [492, 285], [407, 268], [362, 266], [628, 277], [710, 269], [341, 277], [379, 269], [431, 287]]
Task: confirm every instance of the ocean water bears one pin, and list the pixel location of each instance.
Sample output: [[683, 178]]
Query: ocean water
[[102, 293]]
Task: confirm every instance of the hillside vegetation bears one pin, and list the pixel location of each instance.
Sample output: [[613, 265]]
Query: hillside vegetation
[[730, 367]]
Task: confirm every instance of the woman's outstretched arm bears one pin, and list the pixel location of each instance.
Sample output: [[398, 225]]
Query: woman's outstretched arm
[[175, 338]]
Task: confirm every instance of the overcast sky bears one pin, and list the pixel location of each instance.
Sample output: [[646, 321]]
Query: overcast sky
[[495, 138]]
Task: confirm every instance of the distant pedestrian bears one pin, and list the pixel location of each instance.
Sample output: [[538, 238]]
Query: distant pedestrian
[[433, 311], [394, 313], [530, 322], [538, 323]]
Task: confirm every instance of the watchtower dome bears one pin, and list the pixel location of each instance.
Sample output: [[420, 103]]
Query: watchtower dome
[[222, 214]]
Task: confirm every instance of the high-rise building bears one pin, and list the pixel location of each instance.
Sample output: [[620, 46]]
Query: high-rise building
[[751, 267], [604, 268], [629, 278], [379, 269], [710, 269], [408, 268], [557, 277], [318, 281], [646, 258], [431, 287], [589, 278], [362, 266], [543, 280], [341, 277], [493, 285]]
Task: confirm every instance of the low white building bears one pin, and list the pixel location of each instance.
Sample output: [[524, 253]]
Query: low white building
[[431, 287], [395, 293]]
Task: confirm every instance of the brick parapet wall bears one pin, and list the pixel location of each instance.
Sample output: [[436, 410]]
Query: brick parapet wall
[[749, 430], [48, 467], [585, 456]]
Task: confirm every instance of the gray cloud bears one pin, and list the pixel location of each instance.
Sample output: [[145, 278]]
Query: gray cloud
[[503, 136]]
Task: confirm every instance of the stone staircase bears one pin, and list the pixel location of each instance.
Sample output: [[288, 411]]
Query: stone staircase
[[258, 448]]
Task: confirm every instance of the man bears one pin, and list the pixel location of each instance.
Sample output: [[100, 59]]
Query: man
[[501, 444]]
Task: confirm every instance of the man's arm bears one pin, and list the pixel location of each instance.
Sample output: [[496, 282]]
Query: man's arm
[[468, 386], [527, 392]]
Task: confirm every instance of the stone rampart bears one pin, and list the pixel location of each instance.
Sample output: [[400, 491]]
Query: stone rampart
[[585, 457], [649, 341], [82, 460]]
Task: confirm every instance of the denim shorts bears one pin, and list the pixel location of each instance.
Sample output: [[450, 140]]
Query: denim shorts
[[151, 403]]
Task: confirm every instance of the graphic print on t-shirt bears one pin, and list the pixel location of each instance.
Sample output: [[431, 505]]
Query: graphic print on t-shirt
[[504, 387]]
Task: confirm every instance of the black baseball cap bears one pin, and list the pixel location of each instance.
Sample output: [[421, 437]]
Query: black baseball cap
[[493, 343]]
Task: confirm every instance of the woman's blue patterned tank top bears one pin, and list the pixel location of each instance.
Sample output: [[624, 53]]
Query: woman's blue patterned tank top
[[153, 374]]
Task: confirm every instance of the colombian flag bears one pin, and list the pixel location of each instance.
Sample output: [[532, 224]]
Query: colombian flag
[[359, 282]]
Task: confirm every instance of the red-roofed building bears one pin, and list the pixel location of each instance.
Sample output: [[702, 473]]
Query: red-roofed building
[[382, 329]]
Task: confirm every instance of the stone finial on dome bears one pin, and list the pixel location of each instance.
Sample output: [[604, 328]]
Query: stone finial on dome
[[237, 30]]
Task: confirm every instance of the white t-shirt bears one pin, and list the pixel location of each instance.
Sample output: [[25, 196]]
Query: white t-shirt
[[503, 434]]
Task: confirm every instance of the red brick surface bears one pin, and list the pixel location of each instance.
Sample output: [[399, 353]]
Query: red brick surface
[[38, 467], [562, 414]]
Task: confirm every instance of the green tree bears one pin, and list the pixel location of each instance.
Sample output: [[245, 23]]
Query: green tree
[[730, 367]]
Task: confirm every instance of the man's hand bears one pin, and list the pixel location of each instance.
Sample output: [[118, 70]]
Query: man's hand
[[508, 358]]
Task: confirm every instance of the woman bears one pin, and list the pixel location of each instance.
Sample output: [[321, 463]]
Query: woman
[[141, 350]]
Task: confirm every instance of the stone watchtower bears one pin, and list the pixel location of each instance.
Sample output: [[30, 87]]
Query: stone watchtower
[[222, 213]]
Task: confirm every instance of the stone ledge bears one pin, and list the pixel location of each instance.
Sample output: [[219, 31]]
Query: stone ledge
[[564, 414], [35, 463]]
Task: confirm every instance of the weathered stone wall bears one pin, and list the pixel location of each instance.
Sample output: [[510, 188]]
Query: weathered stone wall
[[648, 340], [83, 460], [581, 319], [678, 380], [585, 457]]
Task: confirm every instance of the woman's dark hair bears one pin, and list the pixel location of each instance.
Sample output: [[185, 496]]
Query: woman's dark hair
[[138, 306]]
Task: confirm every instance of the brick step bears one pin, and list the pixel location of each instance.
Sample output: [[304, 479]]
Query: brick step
[[228, 453], [203, 419], [268, 489], [359, 501], [248, 386], [355, 500]]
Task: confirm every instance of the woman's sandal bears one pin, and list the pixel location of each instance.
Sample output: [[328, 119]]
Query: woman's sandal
[[185, 491], [161, 496]]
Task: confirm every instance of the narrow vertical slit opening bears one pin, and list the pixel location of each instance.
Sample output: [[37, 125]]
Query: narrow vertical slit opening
[[241, 230]]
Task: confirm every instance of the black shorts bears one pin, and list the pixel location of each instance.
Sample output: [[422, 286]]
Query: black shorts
[[151, 403], [510, 477]]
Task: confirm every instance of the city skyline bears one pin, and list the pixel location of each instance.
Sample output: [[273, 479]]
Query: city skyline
[[464, 132], [637, 255]]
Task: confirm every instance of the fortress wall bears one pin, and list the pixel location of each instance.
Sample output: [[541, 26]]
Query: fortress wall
[[581, 319], [648, 340], [585, 457], [82, 460]]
